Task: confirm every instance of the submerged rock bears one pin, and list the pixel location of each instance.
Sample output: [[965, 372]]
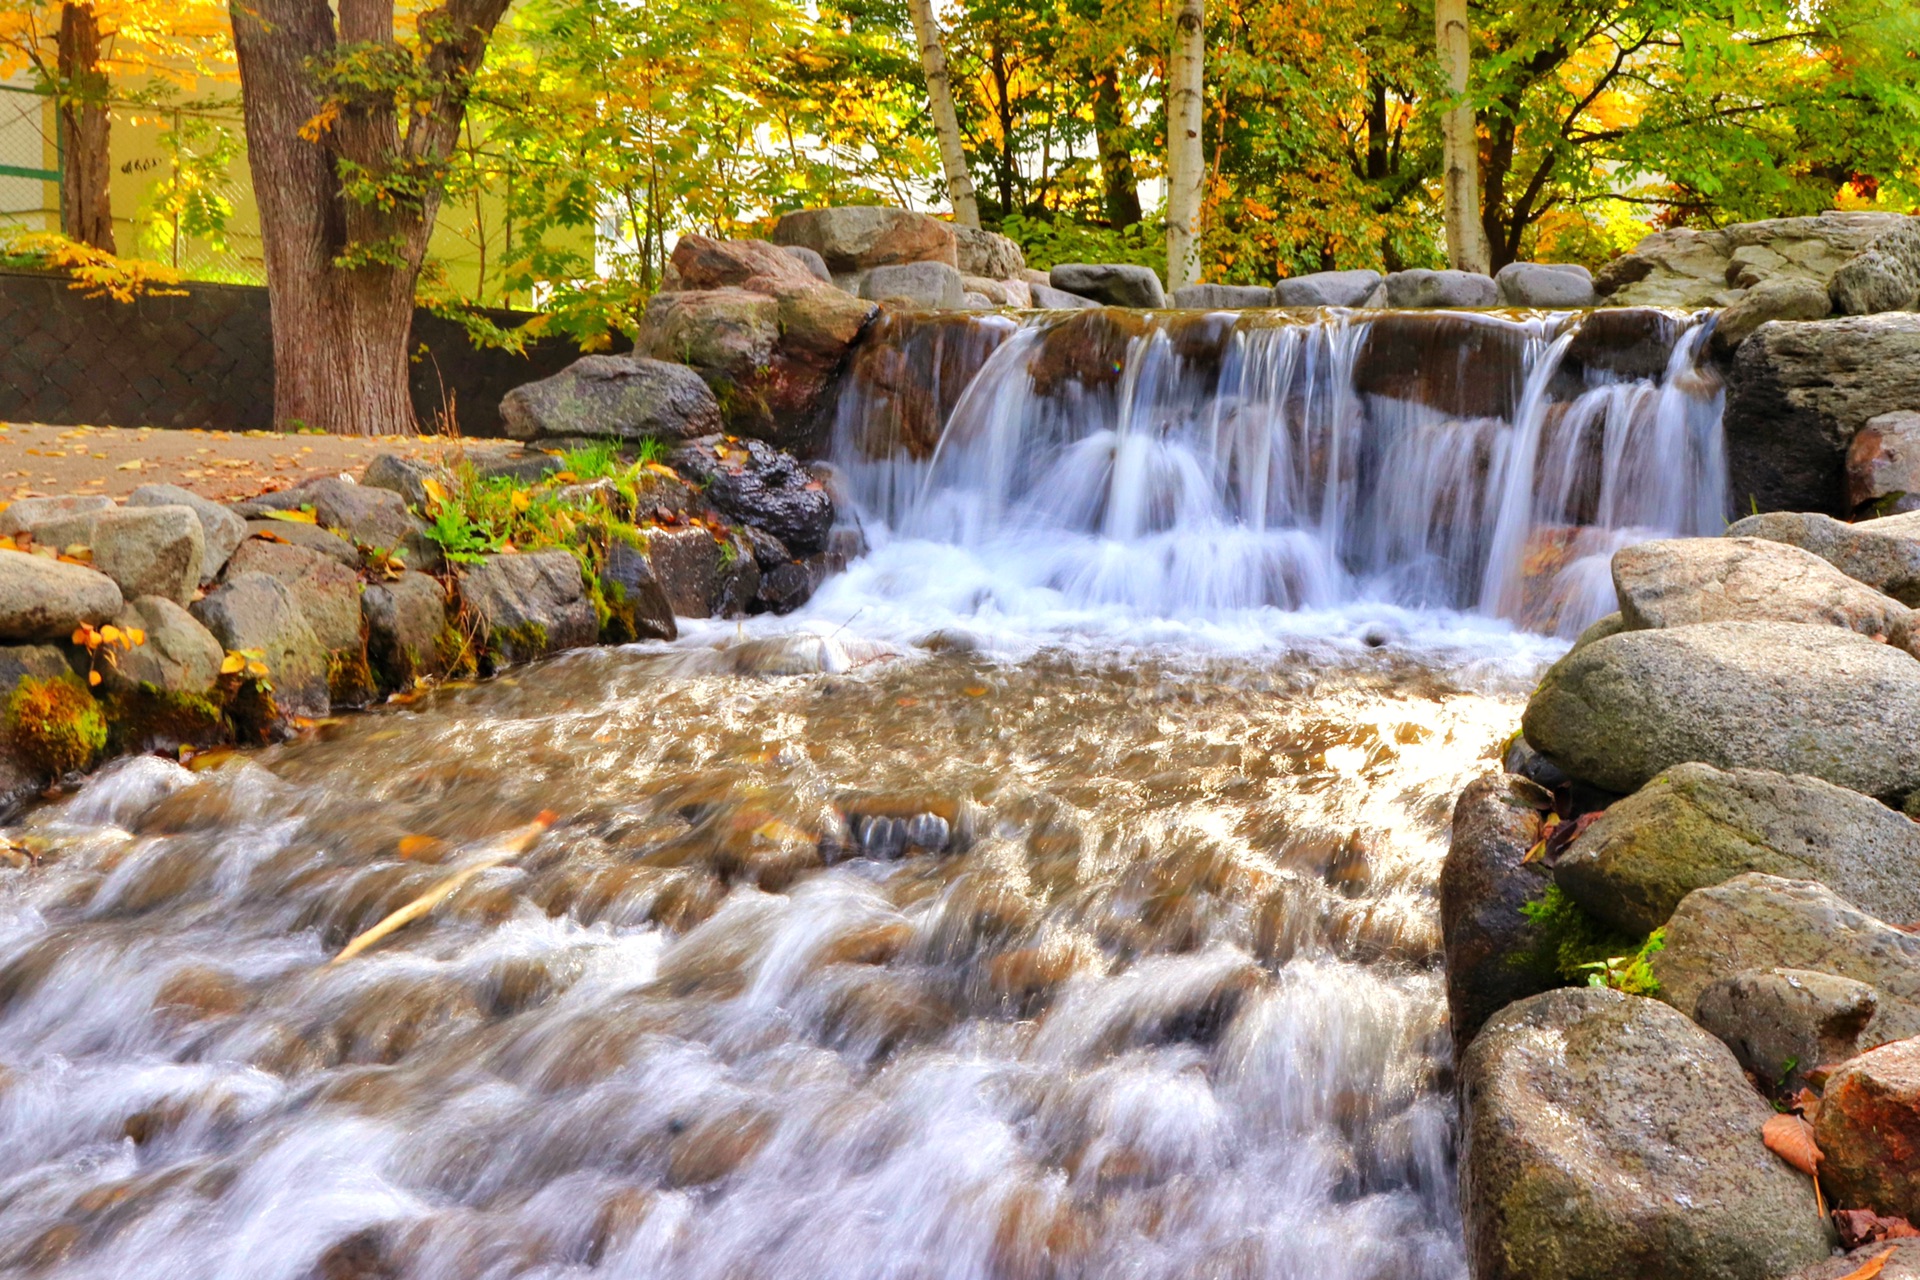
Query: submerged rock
[[1483, 885], [1868, 1129], [1783, 1023], [1884, 554], [1606, 1136], [1820, 701], [1695, 826]]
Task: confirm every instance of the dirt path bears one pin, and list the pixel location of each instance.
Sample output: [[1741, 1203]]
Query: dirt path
[[223, 465]]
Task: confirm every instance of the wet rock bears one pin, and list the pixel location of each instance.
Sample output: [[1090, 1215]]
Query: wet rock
[[714, 1146], [784, 588], [258, 611], [987, 253], [1868, 1129], [531, 605], [1113, 284], [759, 485], [1883, 553], [1483, 885], [615, 397], [1636, 342], [915, 286], [1759, 921], [1545, 284], [859, 237], [1768, 300], [1421, 288], [179, 657], [1820, 701], [739, 580], [220, 529], [686, 563], [700, 262], [24, 515], [1798, 394], [309, 537], [1885, 276], [815, 265], [1521, 759], [528, 466], [1695, 826], [397, 473], [1607, 1136], [1782, 1023], [1883, 465], [641, 610], [1048, 298], [40, 661], [1676, 582], [45, 599], [1222, 297], [1327, 289], [147, 551], [1465, 366], [405, 619]]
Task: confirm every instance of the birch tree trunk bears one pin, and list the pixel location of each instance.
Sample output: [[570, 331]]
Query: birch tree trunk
[[86, 200], [1466, 240], [946, 123], [1186, 167]]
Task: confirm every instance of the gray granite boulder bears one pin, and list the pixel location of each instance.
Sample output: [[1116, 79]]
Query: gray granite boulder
[[364, 515], [45, 599], [858, 237], [810, 259], [1222, 297], [1605, 1136], [147, 551], [1820, 701], [327, 592], [1327, 289], [1784, 299], [1884, 553], [254, 611], [406, 617], [1759, 921], [1113, 284], [922, 286], [405, 476], [531, 605], [180, 655], [1545, 285], [1885, 276], [1447, 289], [1048, 298], [987, 253], [24, 515], [311, 537], [1690, 268], [221, 530], [1782, 1023], [1483, 884], [1695, 826], [613, 397]]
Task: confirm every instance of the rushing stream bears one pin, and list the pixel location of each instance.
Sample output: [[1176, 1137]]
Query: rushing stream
[[1052, 898]]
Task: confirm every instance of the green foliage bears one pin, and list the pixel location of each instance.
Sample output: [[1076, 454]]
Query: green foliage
[[461, 537], [1573, 947], [1047, 244], [595, 461], [55, 723]]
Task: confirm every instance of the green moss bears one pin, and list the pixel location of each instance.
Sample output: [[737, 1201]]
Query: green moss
[[254, 713], [148, 718], [349, 676], [1573, 947], [517, 643], [458, 657], [55, 724]]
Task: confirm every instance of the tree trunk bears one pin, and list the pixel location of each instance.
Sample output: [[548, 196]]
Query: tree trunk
[[1186, 167], [946, 124], [1121, 188], [86, 197], [1466, 242], [341, 270]]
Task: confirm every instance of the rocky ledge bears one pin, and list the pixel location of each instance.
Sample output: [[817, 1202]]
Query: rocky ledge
[[1679, 926]]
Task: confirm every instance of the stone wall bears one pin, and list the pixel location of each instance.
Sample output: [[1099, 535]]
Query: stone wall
[[205, 359]]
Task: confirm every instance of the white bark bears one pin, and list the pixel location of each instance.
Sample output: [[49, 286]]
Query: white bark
[[1186, 170], [946, 123], [1466, 238]]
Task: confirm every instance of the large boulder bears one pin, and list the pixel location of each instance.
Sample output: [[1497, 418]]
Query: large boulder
[[1798, 394], [406, 619], [1327, 289], [363, 515], [1758, 921], [45, 599], [180, 656], [759, 485], [1785, 299], [147, 551], [1883, 465], [1681, 581], [1545, 284], [531, 605], [614, 397], [1114, 284], [1883, 553], [258, 612], [700, 262], [1868, 1129], [25, 515], [1048, 298], [398, 473], [1885, 276], [1783, 1023], [1695, 826], [221, 530], [856, 238], [1606, 1136], [723, 333], [1222, 297], [987, 253], [1688, 268], [915, 286], [1483, 884], [328, 596], [1422, 288], [309, 536], [1820, 701]]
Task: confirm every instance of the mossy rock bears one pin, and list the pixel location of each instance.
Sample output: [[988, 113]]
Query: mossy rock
[[152, 719], [54, 724]]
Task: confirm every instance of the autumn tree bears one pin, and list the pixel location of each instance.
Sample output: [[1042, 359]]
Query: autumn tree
[[350, 124]]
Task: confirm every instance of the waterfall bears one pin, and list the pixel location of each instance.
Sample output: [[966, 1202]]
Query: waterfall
[[1179, 464]]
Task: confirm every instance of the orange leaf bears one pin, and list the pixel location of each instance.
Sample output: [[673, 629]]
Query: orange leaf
[[1791, 1138], [1872, 1267], [93, 677], [427, 848]]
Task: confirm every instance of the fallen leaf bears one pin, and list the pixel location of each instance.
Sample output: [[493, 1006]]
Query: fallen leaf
[[1791, 1138], [1863, 1226], [1871, 1268], [423, 848], [134, 465], [975, 691], [293, 517]]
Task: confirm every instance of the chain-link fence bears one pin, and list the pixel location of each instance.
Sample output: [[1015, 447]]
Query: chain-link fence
[[29, 159]]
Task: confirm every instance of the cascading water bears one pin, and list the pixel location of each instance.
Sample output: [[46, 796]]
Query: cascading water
[[1036, 906]]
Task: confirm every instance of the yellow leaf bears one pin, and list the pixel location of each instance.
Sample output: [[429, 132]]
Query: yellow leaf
[[110, 633], [232, 664], [1872, 1266], [436, 492], [93, 677], [8, 544], [135, 465], [293, 517], [564, 477], [522, 499], [661, 469], [256, 669], [135, 635]]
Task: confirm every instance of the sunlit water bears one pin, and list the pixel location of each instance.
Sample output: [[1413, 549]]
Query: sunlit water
[[1039, 903]]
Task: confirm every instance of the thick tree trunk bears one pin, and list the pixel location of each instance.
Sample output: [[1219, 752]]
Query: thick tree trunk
[[1186, 162], [1466, 242], [946, 124], [1120, 185], [86, 198]]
